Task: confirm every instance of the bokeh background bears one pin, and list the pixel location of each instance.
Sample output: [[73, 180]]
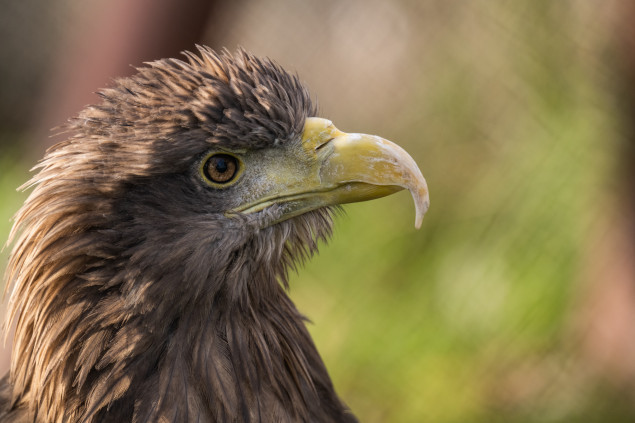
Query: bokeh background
[[515, 302]]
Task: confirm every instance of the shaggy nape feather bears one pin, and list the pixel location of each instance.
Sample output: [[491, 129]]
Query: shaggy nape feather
[[133, 296]]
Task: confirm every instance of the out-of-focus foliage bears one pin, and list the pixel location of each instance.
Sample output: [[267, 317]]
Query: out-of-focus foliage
[[506, 107], [13, 174]]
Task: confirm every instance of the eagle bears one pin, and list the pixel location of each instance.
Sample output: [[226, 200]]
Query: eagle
[[149, 273]]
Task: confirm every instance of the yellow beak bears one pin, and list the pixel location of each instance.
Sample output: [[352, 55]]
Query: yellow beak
[[333, 167]]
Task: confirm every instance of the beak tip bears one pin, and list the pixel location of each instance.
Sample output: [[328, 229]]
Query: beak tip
[[421, 209]]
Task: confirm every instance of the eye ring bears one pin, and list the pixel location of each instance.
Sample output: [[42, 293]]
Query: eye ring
[[221, 169]]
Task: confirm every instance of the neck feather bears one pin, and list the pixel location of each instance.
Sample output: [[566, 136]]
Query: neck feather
[[102, 336]]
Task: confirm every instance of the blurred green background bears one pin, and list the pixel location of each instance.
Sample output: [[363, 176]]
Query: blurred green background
[[515, 302]]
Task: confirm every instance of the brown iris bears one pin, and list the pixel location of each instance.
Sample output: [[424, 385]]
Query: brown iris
[[220, 168]]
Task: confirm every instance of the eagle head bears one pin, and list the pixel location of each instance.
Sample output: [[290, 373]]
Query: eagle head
[[150, 261]]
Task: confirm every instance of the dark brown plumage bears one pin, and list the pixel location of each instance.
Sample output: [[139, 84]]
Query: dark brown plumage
[[145, 286]]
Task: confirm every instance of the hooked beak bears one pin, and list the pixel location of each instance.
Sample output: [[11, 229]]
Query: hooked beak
[[338, 168]]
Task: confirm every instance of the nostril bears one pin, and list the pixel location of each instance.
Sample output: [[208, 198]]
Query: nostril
[[324, 144]]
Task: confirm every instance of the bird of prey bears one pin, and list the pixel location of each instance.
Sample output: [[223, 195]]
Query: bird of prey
[[148, 277]]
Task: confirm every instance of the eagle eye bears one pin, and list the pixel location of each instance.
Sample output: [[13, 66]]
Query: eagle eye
[[220, 168]]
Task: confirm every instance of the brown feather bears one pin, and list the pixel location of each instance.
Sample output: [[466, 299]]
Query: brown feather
[[134, 299]]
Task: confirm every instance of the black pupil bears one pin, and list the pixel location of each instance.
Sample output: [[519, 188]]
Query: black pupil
[[221, 164]]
